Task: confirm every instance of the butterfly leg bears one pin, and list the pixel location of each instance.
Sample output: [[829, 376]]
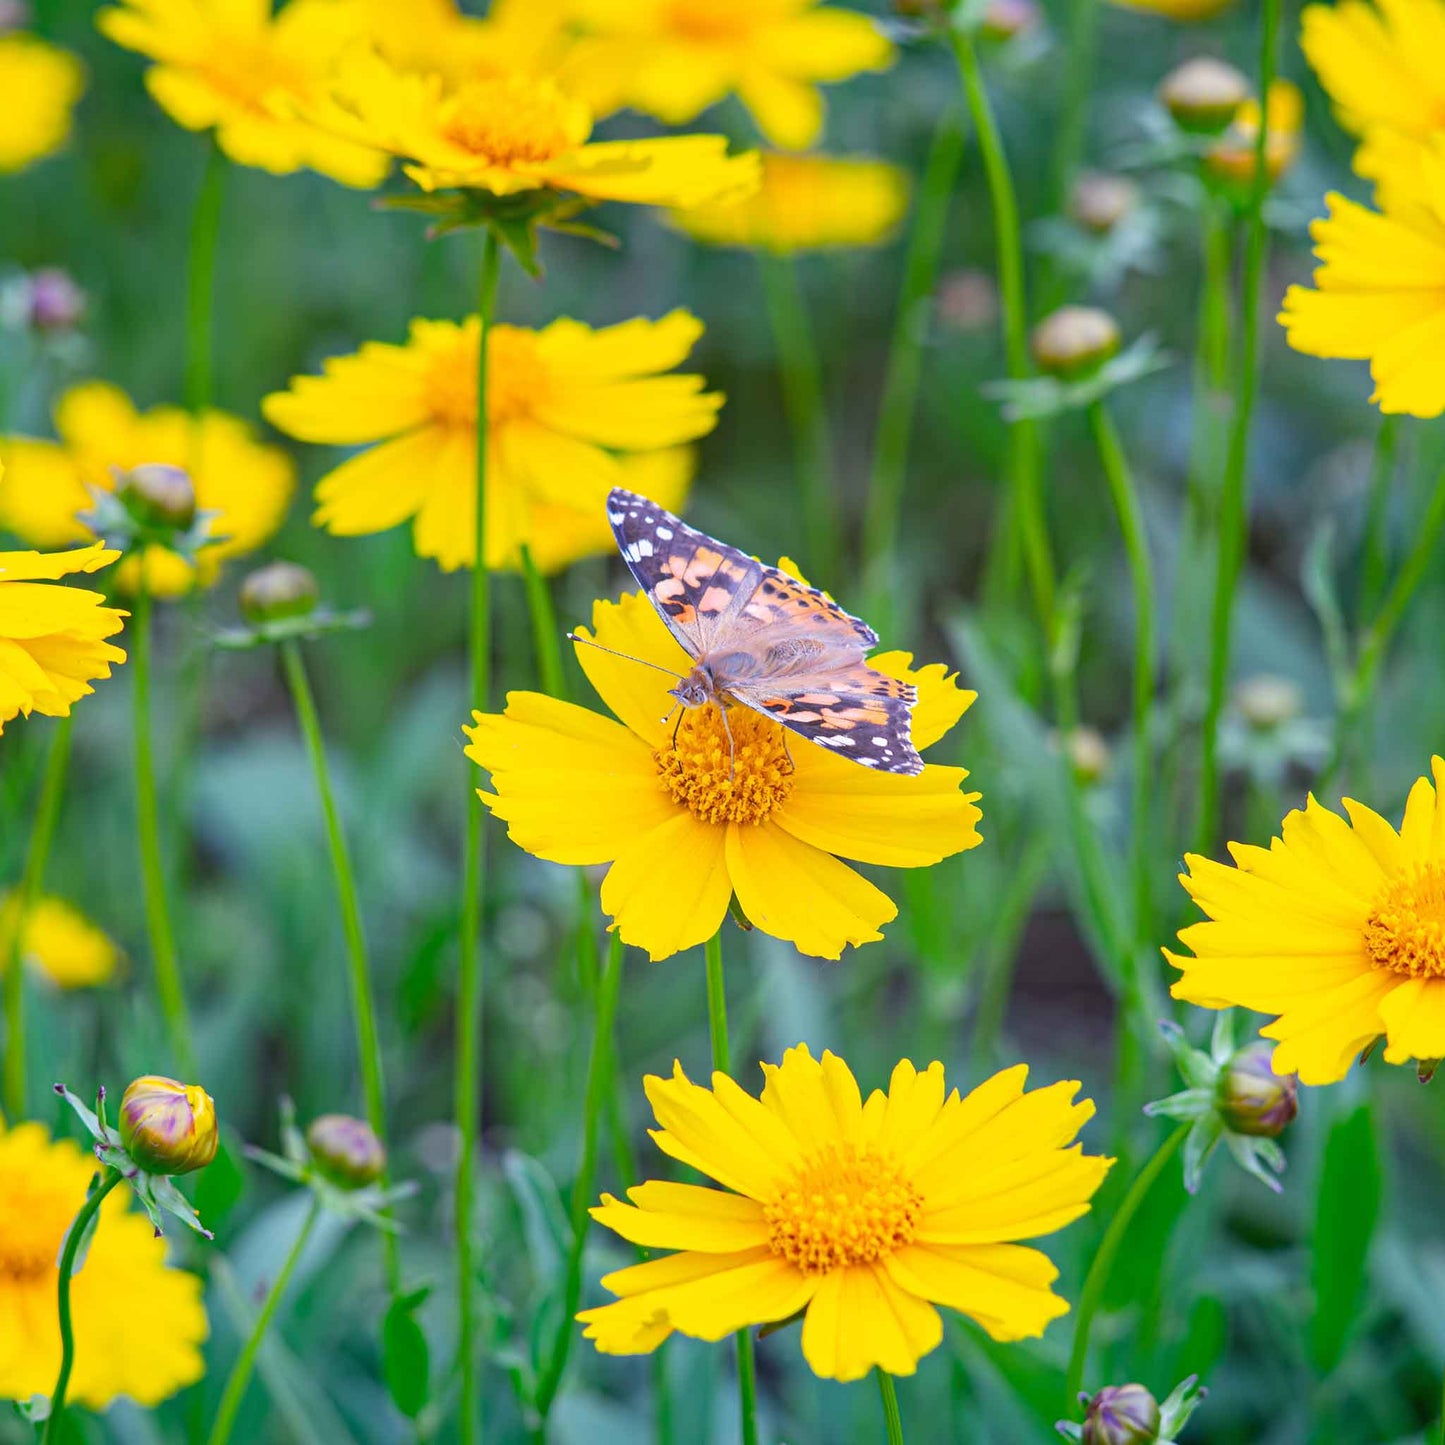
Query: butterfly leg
[[732, 752], [677, 726], [788, 752]]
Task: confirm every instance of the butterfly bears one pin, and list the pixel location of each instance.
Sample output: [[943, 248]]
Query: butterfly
[[763, 639]]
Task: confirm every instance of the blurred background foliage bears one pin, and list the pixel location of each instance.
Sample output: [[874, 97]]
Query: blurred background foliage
[[991, 958]]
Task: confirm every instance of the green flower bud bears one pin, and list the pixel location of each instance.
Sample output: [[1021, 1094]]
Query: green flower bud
[[1088, 754], [346, 1151], [1267, 702], [1122, 1415], [1099, 200], [277, 592], [1074, 340], [1204, 94], [168, 1127], [1253, 1099], [158, 496]]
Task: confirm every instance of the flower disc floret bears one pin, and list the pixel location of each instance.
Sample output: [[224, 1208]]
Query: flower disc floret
[[513, 120], [738, 771], [1405, 930]]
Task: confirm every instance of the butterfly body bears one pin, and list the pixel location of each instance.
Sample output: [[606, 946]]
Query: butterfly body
[[764, 640]]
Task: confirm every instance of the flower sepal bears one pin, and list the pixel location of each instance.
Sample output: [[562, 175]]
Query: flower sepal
[[323, 622], [158, 1196], [1045, 396], [1129, 1415], [134, 528]]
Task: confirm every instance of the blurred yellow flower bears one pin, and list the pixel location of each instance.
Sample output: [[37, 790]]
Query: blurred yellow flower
[[864, 1215], [571, 413], [40, 85], [59, 942], [1231, 157], [513, 133], [233, 67], [684, 831], [1379, 291], [125, 1280], [1383, 70], [807, 203], [52, 639], [674, 58], [246, 484], [1337, 927], [1187, 12]]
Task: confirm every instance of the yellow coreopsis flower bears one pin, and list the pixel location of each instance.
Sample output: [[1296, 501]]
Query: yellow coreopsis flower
[[52, 639], [1379, 291], [1337, 927], [234, 68], [807, 203], [59, 942], [125, 1279], [1383, 70], [674, 58], [570, 411], [686, 821], [864, 1215], [1232, 155], [40, 84], [45, 489], [515, 133]]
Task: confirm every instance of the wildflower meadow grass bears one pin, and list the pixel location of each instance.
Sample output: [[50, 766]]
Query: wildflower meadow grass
[[721, 722]]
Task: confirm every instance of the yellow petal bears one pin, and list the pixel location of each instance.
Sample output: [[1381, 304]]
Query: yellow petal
[[685, 1216], [1414, 1019], [1004, 1288], [861, 1318], [817, 1101]]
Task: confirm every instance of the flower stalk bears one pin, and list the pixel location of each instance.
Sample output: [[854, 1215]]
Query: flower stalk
[[892, 1416], [47, 816], [1377, 523], [201, 292]]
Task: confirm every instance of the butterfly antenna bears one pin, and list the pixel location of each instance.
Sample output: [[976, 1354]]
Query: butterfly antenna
[[732, 753], [626, 656]]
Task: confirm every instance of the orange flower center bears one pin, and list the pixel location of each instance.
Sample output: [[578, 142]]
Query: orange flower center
[[736, 771], [509, 121], [33, 1221], [517, 380], [1405, 931], [847, 1206], [707, 21]]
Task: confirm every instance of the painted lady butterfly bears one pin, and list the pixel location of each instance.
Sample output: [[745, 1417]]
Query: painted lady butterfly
[[763, 639]]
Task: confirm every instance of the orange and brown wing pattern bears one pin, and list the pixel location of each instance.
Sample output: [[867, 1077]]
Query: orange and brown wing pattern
[[698, 584], [782, 601], [854, 711]]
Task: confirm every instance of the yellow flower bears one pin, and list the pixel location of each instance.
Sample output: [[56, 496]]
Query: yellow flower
[[247, 485], [1379, 292], [60, 942], [1338, 928], [570, 413], [1187, 12], [513, 133], [125, 1280], [1382, 69], [1231, 157], [52, 639], [234, 67], [684, 832], [866, 1215], [674, 58], [807, 203], [41, 85]]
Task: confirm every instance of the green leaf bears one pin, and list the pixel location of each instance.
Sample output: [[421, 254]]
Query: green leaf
[[1318, 582], [544, 1221], [1349, 1206], [406, 1358]]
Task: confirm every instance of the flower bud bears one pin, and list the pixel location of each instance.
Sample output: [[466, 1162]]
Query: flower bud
[[157, 495], [277, 592], [14, 15], [1004, 19], [1074, 340], [1266, 702], [1099, 200], [346, 1151], [1253, 1099], [1122, 1415], [1203, 94], [1088, 754], [56, 303], [168, 1127], [967, 300]]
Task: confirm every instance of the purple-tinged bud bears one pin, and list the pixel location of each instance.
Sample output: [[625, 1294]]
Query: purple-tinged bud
[[346, 1151], [1074, 340], [14, 15], [168, 1127], [277, 592], [1004, 19], [56, 302], [1099, 200], [1253, 1099], [157, 495], [1122, 1415]]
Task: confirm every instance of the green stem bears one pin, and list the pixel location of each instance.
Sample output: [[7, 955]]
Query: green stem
[[891, 1415], [905, 364], [469, 981], [599, 1076], [47, 815], [363, 999], [1083, 47], [547, 638], [1125, 496], [1234, 496], [240, 1376], [1377, 525], [1098, 1276], [717, 1023], [153, 877], [201, 281], [1025, 511], [803, 397], [78, 1230]]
